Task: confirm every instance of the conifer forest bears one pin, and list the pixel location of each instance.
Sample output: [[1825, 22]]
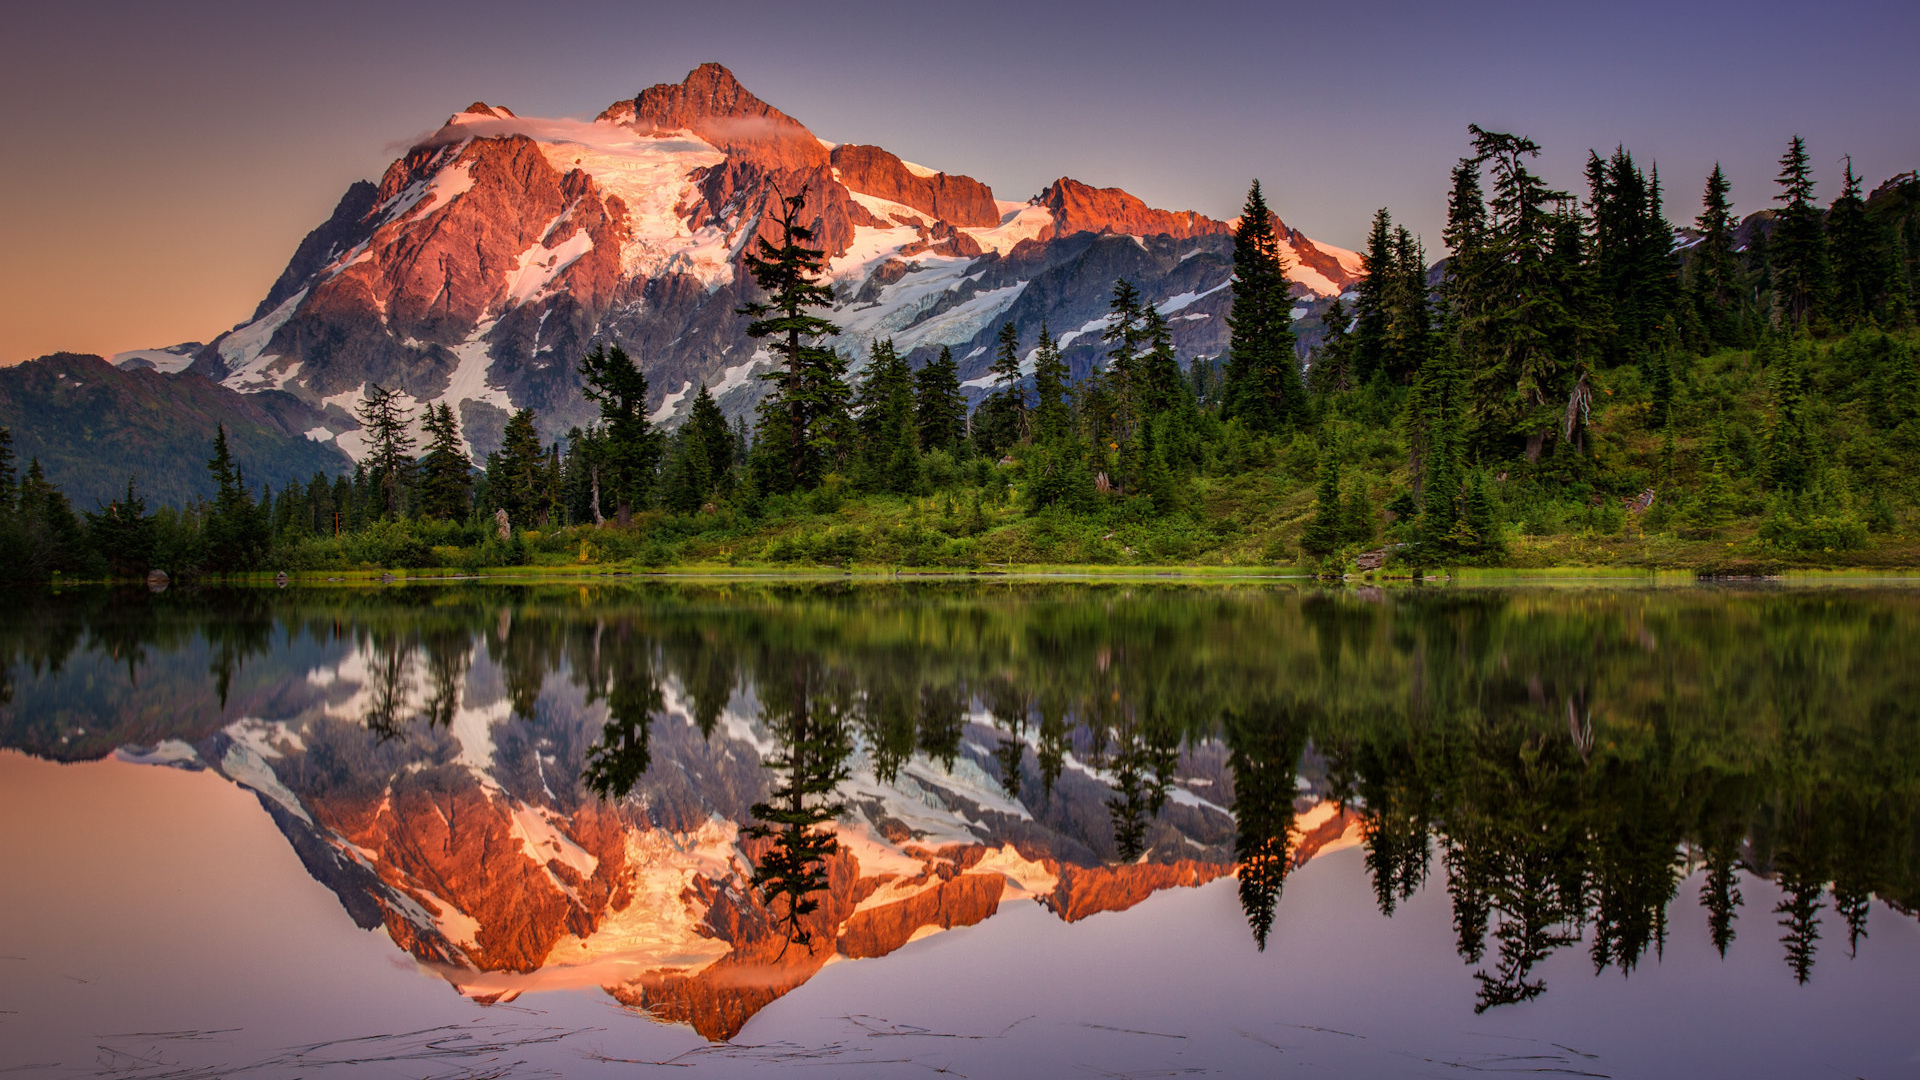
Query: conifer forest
[[1596, 373]]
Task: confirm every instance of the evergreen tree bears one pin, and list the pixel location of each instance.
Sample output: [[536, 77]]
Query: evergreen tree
[[889, 438], [807, 410], [686, 478], [1409, 325], [517, 472], [1332, 370], [1790, 454], [236, 529], [1799, 245], [631, 452], [1631, 253], [1263, 388], [1322, 534], [1162, 388], [1372, 298], [1859, 264], [124, 534], [389, 459], [939, 408], [9, 487], [1264, 746], [707, 430], [1714, 281], [1052, 419], [446, 473], [1516, 321], [1125, 335], [814, 744]]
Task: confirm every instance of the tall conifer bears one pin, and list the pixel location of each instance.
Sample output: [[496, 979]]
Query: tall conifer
[[1263, 388]]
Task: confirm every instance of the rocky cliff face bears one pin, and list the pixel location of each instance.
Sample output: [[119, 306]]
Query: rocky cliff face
[[494, 253]]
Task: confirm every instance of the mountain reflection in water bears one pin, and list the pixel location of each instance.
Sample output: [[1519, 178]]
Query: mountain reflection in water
[[695, 796]]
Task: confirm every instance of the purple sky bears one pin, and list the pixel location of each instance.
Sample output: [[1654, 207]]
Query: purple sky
[[164, 159]]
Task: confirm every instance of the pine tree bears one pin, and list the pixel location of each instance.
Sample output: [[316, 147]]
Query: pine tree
[[1790, 464], [1263, 388], [1512, 328], [1372, 297], [707, 429], [1631, 253], [1322, 534], [1162, 387], [9, 487], [808, 407], [1715, 278], [446, 473], [1052, 419], [889, 439], [1263, 749], [939, 408], [1409, 324], [517, 472], [1332, 370], [389, 459], [236, 529], [1802, 278], [687, 476], [1125, 336], [614, 382], [1860, 272], [124, 535], [814, 744]]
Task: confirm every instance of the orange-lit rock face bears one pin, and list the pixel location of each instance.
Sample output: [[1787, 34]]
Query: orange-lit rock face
[[501, 248], [961, 200], [712, 104]]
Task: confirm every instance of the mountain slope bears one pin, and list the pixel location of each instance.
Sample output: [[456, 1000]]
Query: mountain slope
[[92, 425], [495, 252]]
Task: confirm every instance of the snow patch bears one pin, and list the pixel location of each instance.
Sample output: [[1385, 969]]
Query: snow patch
[[242, 348]]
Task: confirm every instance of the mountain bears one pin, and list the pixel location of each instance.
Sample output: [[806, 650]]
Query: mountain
[[432, 783], [92, 425], [491, 255]]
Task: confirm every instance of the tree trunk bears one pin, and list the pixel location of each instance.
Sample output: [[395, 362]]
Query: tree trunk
[[1535, 442], [598, 517]]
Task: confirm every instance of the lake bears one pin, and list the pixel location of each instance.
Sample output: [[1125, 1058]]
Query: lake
[[992, 828]]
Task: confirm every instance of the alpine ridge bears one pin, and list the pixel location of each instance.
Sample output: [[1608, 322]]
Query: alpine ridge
[[500, 248]]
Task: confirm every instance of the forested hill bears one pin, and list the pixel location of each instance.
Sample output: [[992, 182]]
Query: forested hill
[[92, 426]]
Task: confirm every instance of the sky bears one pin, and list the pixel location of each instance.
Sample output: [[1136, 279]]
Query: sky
[[164, 159]]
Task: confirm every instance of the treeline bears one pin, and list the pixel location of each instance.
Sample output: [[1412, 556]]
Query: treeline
[[1561, 775], [1574, 367]]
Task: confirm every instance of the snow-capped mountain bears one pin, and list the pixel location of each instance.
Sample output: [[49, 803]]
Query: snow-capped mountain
[[413, 785], [494, 252]]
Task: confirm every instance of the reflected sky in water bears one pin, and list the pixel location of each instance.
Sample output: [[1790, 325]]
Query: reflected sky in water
[[1659, 821]]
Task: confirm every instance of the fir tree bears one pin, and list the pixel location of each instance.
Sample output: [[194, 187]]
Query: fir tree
[[517, 472], [9, 487], [1799, 244], [1372, 296], [1516, 321], [1125, 336], [446, 473], [1859, 264], [1162, 387], [1322, 534], [889, 438], [814, 744], [123, 533], [236, 529], [1263, 388], [807, 410], [1052, 420], [707, 430], [1263, 749], [389, 459], [939, 408], [1332, 370], [616, 384], [1715, 278], [1790, 464]]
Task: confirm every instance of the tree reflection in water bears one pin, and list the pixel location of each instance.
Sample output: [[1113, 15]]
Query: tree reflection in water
[[1568, 757]]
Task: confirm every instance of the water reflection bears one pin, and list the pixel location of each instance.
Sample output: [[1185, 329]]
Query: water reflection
[[1568, 756]]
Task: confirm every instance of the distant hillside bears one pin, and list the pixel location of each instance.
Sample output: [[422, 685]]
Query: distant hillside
[[92, 425]]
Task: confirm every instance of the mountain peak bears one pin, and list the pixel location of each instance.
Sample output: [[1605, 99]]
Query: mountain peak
[[712, 104], [1078, 207]]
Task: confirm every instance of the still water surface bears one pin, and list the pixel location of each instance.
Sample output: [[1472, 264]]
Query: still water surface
[[1001, 830]]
